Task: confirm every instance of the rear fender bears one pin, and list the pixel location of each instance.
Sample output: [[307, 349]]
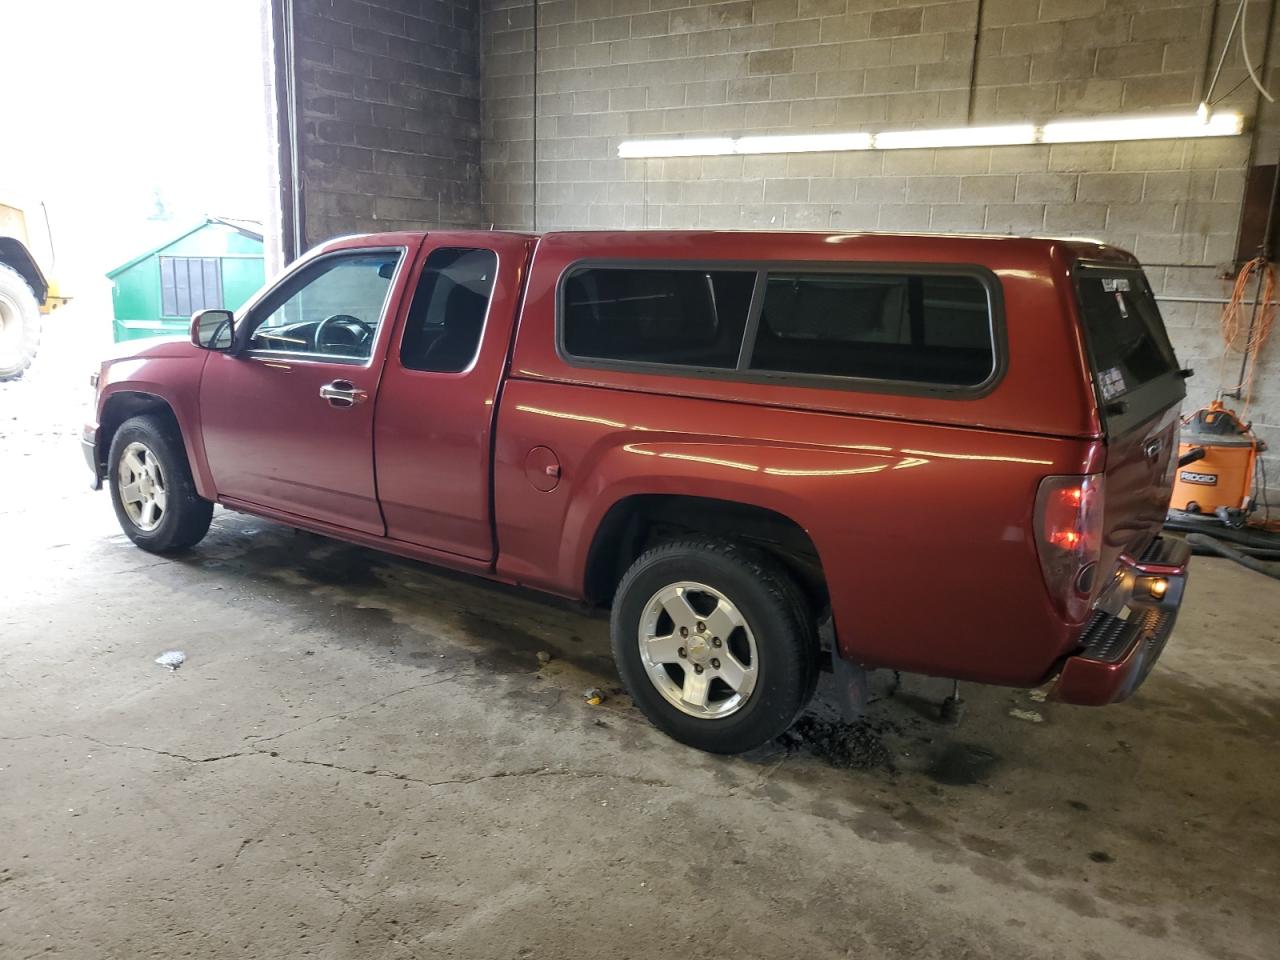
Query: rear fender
[[805, 485], [924, 532]]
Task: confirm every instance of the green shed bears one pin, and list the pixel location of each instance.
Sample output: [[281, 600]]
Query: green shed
[[216, 263]]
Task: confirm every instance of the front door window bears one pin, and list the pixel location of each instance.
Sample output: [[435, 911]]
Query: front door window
[[330, 310]]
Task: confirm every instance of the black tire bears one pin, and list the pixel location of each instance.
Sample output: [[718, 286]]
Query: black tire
[[186, 515], [778, 616], [19, 324]]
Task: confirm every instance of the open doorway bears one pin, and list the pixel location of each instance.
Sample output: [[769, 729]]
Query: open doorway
[[137, 146]]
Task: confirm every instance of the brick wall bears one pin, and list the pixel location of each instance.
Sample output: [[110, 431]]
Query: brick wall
[[389, 114], [419, 113], [610, 70]]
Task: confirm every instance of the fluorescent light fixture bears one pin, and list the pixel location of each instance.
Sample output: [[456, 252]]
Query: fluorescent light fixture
[[682, 147], [956, 137], [804, 143], [1198, 124], [1143, 128]]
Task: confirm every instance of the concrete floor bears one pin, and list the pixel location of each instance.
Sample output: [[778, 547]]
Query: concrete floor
[[363, 758]]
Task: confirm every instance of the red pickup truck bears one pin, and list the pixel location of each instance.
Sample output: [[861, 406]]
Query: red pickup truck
[[959, 449]]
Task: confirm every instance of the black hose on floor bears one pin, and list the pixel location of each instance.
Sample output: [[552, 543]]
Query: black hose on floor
[[1203, 543], [1257, 552], [1212, 527]]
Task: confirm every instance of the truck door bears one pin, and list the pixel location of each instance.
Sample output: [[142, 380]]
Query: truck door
[[438, 397], [287, 419]]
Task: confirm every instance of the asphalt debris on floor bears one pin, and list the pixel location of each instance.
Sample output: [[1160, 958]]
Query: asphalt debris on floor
[[856, 745]]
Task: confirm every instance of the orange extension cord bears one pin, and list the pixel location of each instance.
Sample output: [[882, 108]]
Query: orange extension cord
[[1242, 334]]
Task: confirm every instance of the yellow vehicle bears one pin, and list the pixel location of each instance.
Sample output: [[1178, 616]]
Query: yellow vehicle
[[27, 290]]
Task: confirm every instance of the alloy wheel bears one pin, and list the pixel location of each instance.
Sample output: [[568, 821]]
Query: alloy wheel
[[141, 483], [698, 650]]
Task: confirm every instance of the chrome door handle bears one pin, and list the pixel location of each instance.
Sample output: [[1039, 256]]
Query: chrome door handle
[[343, 393]]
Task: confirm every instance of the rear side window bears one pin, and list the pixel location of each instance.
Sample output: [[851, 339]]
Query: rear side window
[[1128, 345], [446, 318], [929, 329], [692, 318]]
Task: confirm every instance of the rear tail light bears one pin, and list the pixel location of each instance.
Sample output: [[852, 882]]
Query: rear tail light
[[1069, 539]]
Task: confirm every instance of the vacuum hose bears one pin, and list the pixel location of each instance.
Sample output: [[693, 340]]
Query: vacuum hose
[[1203, 543], [1191, 456], [1257, 539]]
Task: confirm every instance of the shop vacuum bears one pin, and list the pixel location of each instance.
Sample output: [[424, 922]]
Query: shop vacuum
[[1213, 502], [1220, 472]]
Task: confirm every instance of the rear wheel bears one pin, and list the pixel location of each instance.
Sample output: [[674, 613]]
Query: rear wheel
[[19, 324], [714, 643], [152, 489]]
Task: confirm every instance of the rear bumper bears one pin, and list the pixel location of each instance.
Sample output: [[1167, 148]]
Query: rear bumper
[[1129, 628]]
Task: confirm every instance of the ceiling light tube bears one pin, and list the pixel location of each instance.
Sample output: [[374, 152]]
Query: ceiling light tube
[[956, 137], [681, 147], [804, 143], [1200, 124], [1143, 128]]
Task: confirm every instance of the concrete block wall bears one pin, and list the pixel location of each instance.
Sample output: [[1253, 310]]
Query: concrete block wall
[[610, 70], [389, 114]]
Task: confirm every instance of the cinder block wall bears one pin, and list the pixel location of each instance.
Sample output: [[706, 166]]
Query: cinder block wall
[[389, 114], [609, 70]]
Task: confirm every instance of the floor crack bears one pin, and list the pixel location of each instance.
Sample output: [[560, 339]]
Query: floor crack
[[548, 772], [356, 709], [370, 772], [127, 746], [367, 772]]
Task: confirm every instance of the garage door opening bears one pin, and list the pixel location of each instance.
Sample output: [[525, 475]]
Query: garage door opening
[[135, 138]]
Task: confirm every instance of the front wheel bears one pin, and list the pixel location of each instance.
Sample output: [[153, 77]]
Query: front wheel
[[714, 643], [152, 489]]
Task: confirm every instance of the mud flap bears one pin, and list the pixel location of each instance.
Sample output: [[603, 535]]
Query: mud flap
[[853, 688]]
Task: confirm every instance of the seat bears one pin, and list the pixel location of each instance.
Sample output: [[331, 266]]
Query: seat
[[455, 348]]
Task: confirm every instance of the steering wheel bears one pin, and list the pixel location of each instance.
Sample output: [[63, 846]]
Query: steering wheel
[[343, 318]]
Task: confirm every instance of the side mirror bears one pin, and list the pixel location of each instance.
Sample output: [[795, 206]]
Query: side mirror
[[213, 329]]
